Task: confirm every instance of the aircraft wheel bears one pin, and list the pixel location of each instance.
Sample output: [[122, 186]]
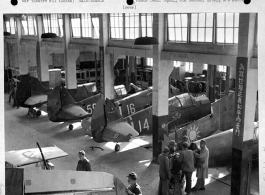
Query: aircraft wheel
[[34, 113], [38, 113], [117, 147], [71, 127]]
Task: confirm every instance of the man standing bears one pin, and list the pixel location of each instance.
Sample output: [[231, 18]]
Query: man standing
[[134, 188], [202, 166], [83, 163], [186, 158], [164, 172]]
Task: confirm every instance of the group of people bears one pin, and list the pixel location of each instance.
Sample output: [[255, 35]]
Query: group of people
[[180, 160]]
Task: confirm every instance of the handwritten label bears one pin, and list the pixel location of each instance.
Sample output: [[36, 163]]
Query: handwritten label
[[240, 98]]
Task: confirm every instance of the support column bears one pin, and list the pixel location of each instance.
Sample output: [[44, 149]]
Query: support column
[[107, 60], [245, 104], [161, 72], [127, 73], [23, 67], [227, 80], [70, 56], [210, 84], [132, 69], [41, 58]]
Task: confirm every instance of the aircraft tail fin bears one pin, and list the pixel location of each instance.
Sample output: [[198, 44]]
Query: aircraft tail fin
[[23, 91], [36, 87], [104, 113], [66, 97], [54, 103]]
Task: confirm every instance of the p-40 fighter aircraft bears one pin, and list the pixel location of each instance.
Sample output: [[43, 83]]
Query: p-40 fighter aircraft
[[63, 108], [31, 94], [107, 123]]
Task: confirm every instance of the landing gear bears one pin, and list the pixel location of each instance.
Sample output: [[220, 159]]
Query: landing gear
[[34, 112], [117, 147], [38, 113], [70, 127]]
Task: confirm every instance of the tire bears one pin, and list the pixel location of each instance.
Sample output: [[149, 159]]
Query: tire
[[117, 147], [38, 113], [71, 127]]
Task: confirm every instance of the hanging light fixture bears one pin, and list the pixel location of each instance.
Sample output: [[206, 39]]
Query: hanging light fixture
[[48, 35], [146, 40]]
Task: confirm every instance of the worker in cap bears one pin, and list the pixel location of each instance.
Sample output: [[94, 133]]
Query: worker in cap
[[202, 166], [186, 158], [83, 163], [164, 172], [172, 147], [133, 188]]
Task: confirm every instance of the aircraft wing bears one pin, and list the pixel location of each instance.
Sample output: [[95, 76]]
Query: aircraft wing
[[72, 112], [30, 156], [36, 99]]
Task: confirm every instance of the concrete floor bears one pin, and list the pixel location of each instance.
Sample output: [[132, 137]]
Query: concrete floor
[[22, 132]]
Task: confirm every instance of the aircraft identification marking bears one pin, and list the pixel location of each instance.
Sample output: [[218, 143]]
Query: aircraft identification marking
[[116, 135], [146, 125], [130, 108], [90, 108]]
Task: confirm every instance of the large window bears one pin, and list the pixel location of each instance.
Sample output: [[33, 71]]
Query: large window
[[147, 25], [29, 26], [178, 27], [116, 26], [53, 23], [131, 26], [85, 26], [227, 27], [201, 27], [221, 68], [10, 24], [189, 67], [149, 62], [205, 66]]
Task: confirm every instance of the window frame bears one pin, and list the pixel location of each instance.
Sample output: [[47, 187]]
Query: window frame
[[214, 30], [140, 28], [204, 27], [7, 19], [91, 28], [225, 28], [51, 27], [34, 26], [188, 28]]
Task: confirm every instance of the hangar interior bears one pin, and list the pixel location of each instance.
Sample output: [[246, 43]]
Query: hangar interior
[[189, 61]]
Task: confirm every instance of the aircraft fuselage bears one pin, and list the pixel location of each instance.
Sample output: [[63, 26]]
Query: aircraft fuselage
[[182, 109]]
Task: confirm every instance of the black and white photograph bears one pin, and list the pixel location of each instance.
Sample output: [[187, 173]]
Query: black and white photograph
[[131, 102]]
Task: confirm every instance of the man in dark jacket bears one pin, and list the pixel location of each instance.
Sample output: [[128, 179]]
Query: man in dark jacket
[[186, 158], [134, 188], [164, 172], [83, 163]]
